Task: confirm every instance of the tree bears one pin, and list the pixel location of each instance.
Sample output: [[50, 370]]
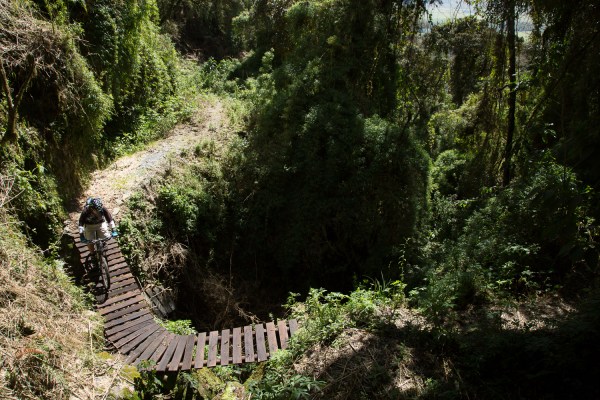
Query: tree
[[512, 88], [332, 183], [21, 55], [565, 117], [203, 27], [14, 101]]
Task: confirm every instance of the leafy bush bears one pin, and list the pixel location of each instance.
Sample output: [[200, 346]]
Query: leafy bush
[[192, 207], [325, 315], [447, 171], [527, 237], [138, 66], [214, 75], [522, 255], [279, 383], [178, 327]]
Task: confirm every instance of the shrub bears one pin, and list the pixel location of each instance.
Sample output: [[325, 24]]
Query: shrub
[[527, 237]]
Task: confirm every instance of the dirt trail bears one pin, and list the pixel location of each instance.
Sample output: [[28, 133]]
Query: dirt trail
[[117, 182]]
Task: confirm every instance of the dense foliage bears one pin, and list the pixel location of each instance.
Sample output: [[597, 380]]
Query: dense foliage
[[85, 81], [458, 161]]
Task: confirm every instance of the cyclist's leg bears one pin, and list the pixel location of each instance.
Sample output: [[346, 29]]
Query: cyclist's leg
[[92, 232], [103, 231]]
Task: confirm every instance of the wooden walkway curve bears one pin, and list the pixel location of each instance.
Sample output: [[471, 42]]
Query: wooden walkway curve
[[130, 326]]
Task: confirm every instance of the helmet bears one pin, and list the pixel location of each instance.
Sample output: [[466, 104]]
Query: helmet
[[95, 203]]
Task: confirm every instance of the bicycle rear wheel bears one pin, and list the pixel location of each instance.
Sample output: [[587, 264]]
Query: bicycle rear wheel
[[104, 273]]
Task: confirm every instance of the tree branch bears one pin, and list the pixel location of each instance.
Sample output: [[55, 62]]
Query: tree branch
[[5, 85]]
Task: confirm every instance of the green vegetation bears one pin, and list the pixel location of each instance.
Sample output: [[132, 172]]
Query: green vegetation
[[430, 191]]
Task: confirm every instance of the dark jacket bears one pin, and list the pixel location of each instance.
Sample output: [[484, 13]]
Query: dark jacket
[[88, 217]]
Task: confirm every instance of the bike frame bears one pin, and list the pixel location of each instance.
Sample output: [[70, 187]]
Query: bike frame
[[99, 244], [101, 261]]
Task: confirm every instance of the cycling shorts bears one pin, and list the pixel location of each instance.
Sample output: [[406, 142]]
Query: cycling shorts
[[96, 231]]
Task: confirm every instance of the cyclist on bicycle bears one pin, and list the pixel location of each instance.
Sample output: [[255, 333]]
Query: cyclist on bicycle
[[94, 222]]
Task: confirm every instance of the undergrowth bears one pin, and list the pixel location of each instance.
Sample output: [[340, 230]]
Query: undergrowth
[[48, 335]]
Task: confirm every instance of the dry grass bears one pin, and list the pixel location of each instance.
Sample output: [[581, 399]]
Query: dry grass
[[48, 337], [31, 46], [362, 362]]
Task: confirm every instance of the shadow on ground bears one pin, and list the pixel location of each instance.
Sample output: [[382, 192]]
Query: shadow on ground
[[483, 362]]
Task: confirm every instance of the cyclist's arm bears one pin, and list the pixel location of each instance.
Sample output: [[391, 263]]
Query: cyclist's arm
[[81, 222], [109, 218]]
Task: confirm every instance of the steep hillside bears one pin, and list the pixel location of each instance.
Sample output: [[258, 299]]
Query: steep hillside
[[49, 337]]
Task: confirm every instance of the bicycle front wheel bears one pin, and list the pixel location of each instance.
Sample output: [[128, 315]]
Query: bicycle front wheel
[[104, 274]]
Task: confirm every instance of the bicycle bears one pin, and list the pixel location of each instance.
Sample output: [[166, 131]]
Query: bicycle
[[100, 261]]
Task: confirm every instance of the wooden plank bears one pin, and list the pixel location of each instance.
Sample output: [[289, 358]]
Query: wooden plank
[[119, 263], [118, 270], [213, 340], [79, 244], [126, 281], [126, 311], [115, 259], [176, 359], [166, 357], [162, 347], [261, 351], [109, 243], [149, 350], [283, 333], [199, 361], [119, 328], [117, 299], [293, 326], [237, 346], [146, 330], [272, 336], [138, 340], [111, 258], [119, 278], [108, 313], [104, 311], [128, 331], [127, 345], [186, 363], [249, 343], [134, 354], [108, 248], [111, 250], [121, 282], [130, 288], [225, 337], [127, 319]]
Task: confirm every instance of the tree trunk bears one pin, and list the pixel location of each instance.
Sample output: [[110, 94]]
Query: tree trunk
[[12, 103], [512, 95]]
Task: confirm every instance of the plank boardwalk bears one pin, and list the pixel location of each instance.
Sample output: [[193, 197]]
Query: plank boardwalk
[[130, 326]]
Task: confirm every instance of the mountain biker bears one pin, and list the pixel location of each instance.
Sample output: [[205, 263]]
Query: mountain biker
[[94, 222]]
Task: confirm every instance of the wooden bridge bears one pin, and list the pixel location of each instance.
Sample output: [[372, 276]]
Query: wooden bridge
[[130, 326]]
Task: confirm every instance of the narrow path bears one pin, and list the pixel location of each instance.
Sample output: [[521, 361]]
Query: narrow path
[[129, 322], [117, 182]]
